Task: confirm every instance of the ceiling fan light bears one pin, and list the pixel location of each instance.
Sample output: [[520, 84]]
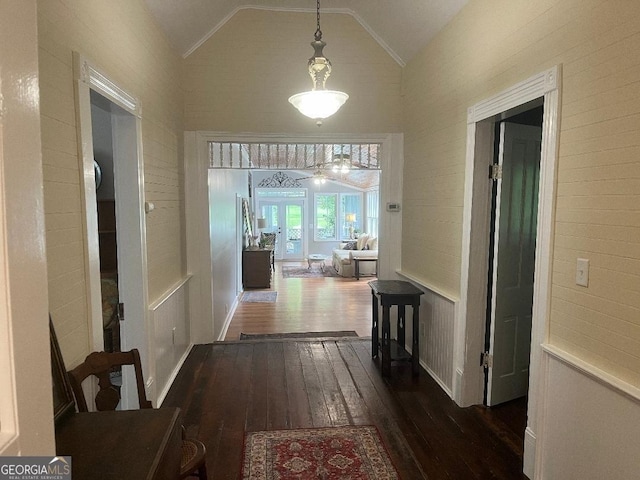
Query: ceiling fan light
[[318, 104]]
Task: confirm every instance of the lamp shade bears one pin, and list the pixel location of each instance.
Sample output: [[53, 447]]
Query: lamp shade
[[318, 103], [262, 223], [350, 217]]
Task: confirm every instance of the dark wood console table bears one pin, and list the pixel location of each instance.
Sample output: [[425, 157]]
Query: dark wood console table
[[127, 444], [256, 268], [399, 293]]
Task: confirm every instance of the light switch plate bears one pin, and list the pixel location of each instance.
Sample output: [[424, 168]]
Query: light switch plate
[[582, 272]]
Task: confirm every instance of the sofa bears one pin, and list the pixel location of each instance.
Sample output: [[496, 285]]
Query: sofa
[[363, 246]]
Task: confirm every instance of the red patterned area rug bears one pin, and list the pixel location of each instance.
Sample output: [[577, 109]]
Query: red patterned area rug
[[334, 453]]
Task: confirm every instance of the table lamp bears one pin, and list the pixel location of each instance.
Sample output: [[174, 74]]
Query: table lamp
[[350, 219]]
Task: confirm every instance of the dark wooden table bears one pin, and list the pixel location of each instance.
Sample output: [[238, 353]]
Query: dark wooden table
[[130, 444], [357, 261], [399, 293]]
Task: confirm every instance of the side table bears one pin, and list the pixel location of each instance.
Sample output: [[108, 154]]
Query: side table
[[399, 293], [357, 261], [316, 258]]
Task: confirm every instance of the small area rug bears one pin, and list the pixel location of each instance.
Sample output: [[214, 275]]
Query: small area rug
[[313, 272], [351, 452], [260, 297], [284, 336]]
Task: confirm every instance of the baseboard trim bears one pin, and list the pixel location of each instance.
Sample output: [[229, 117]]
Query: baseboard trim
[[227, 320], [437, 379], [529, 458]]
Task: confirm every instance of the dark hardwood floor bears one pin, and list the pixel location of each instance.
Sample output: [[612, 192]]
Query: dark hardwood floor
[[228, 388]]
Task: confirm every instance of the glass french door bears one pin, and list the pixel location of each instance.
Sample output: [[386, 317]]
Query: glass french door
[[285, 218]]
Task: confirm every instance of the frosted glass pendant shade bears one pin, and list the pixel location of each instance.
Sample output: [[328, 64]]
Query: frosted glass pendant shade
[[318, 104]]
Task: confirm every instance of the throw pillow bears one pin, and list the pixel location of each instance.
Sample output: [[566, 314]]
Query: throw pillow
[[362, 241], [350, 245]]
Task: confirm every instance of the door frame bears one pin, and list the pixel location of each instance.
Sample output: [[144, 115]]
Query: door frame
[[129, 183], [470, 324], [197, 162]]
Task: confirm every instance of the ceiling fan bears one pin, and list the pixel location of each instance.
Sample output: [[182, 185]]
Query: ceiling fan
[[318, 176], [340, 164]]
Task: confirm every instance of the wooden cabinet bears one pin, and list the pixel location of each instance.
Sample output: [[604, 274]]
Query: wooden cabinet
[[256, 268]]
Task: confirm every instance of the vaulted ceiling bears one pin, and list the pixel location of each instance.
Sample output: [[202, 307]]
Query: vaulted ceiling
[[402, 27]]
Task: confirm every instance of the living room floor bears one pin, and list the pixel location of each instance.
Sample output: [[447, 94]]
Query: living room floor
[[307, 305]]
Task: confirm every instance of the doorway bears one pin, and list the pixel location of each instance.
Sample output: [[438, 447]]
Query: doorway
[[112, 308], [285, 218], [511, 266], [119, 246], [544, 88]]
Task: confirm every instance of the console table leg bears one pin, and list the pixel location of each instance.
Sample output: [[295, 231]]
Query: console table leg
[[386, 341], [402, 321], [415, 343], [374, 327]]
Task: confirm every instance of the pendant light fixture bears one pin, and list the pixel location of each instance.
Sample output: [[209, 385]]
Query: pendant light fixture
[[319, 103]]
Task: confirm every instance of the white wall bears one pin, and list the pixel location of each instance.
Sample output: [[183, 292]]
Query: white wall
[[224, 186], [599, 437]]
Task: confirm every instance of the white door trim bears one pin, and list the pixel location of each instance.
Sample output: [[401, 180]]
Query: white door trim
[[197, 210], [129, 178], [470, 322], [26, 400]]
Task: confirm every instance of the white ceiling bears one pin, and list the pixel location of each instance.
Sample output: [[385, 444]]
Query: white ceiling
[[402, 27]]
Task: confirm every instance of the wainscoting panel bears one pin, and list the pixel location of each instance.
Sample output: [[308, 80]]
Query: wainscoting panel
[[589, 424], [437, 319], [437, 316], [169, 317]]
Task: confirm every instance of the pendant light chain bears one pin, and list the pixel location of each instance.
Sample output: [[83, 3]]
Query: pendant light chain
[[318, 103], [318, 34]]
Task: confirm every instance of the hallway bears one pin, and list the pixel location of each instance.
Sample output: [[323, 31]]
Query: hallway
[[228, 388]]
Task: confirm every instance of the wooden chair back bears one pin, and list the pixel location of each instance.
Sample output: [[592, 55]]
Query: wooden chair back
[[100, 365]]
